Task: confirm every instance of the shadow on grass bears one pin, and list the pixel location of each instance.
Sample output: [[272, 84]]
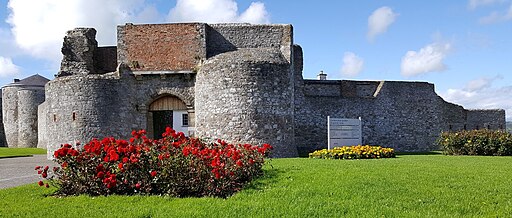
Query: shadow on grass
[[420, 153], [15, 156], [269, 178]]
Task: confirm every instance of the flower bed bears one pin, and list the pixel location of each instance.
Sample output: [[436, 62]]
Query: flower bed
[[476, 142], [174, 165], [354, 152]]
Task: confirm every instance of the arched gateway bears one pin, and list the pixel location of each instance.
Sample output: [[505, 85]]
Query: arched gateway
[[167, 111]]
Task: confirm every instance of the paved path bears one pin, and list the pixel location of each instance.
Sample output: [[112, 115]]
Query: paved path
[[19, 171]]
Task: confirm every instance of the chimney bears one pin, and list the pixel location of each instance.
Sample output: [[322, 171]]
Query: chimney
[[16, 80], [322, 76]]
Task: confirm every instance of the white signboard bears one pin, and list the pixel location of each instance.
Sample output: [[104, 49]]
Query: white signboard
[[343, 132]]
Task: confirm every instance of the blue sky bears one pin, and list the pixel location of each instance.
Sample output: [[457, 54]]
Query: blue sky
[[464, 47]]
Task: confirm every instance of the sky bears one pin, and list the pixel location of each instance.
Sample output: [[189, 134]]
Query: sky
[[464, 47]]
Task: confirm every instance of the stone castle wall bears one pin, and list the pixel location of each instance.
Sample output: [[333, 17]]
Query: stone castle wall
[[407, 116], [486, 119], [10, 115], [244, 91], [28, 101], [80, 108], [246, 96], [3, 140], [239, 82], [19, 111]]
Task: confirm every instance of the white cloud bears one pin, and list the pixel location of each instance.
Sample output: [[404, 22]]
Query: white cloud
[[491, 18], [256, 13], [486, 97], [379, 21], [7, 68], [217, 11], [39, 26], [428, 59], [472, 4], [481, 83], [352, 64], [495, 17]]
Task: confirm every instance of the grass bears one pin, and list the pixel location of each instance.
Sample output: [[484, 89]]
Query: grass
[[406, 186], [20, 152]]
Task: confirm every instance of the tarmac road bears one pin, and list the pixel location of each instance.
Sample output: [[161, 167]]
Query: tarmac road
[[20, 170]]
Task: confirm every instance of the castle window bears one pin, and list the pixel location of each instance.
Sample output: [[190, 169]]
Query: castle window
[[488, 126], [450, 127], [74, 116], [465, 127], [477, 127], [184, 119]]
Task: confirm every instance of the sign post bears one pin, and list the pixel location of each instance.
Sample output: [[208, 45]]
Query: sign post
[[343, 132]]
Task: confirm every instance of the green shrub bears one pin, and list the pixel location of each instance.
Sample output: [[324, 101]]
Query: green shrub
[[476, 142], [354, 152]]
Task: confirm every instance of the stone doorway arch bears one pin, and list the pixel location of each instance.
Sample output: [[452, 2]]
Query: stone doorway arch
[[167, 111]]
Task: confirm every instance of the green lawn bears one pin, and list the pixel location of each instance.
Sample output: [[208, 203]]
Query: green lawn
[[20, 152], [407, 186]]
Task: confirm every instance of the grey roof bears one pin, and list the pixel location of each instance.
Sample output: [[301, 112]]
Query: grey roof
[[34, 80]]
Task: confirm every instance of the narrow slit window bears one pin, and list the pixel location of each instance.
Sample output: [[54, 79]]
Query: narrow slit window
[[74, 116], [55, 118], [184, 119]]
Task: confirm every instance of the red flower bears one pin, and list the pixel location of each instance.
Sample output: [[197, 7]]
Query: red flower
[[100, 168], [133, 159], [251, 161], [186, 151], [47, 185], [65, 164], [40, 183], [100, 174], [113, 155], [267, 146], [239, 163], [120, 165], [125, 160], [153, 173], [137, 186], [44, 175], [37, 168], [176, 144]]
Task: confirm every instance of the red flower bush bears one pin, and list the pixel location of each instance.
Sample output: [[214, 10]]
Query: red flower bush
[[174, 165]]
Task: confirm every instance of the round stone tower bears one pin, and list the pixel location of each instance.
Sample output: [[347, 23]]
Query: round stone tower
[[20, 101], [247, 96]]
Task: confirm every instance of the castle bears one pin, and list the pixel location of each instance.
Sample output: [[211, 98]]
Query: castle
[[239, 82]]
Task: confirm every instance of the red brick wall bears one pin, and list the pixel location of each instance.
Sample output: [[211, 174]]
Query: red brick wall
[[163, 46]]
